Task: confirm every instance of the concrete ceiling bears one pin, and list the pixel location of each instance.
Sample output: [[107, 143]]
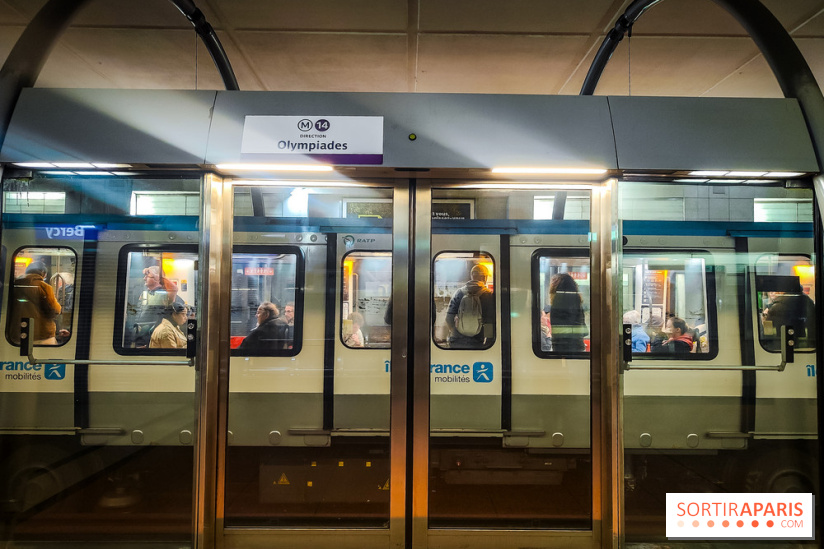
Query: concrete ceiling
[[679, 47]]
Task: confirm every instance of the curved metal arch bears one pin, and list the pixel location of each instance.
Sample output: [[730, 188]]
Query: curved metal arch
[[29, 54], [785, 59]]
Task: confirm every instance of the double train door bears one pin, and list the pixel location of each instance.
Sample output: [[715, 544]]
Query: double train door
[[408, 364]]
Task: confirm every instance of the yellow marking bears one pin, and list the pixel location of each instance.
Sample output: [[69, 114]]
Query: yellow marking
[[309, 483], [385, 485], [340, 464], [283, 479], [314, 464], [369, 464]]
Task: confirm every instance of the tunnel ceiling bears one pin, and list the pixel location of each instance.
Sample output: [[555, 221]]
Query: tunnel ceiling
[[678, 48]]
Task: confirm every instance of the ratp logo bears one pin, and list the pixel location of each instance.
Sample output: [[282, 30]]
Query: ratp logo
[[482, 372], [55, 371]]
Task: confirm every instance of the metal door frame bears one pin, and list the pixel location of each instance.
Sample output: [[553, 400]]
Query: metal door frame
[[607, 490], [212, 392]]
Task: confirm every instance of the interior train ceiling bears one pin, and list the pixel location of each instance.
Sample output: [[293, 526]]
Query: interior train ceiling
[[679, 47]]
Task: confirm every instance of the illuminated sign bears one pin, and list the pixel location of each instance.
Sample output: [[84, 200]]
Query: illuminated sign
[[259, 271]]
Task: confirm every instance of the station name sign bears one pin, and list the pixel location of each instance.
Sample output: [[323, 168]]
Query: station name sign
[[332, 139]]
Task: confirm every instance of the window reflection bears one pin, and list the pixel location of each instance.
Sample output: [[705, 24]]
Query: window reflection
[[365, 299]]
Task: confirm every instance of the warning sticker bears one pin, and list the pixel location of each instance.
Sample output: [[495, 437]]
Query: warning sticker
[[283, 479]]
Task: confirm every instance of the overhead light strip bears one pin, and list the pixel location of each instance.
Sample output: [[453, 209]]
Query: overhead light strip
[[275, 167], [549, 171]]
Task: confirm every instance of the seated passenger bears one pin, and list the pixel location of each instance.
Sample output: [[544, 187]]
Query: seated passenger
[[353, 337], [268, 334], [289, 324], [168, 334], [640, 339], [680, 338]]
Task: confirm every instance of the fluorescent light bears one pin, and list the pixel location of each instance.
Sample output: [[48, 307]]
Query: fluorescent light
[[526, 186], [73, 165], [746, 174], [709, 173], [124, 173], [264, 183], [94, 173], [34, 165], [784, 174], [57, 172], [276, 167], [557, 171], [690, 180], [103, 165], [726, 181]]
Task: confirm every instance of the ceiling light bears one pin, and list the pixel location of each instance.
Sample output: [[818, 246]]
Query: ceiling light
[[555, 171], [109, 166], [73, 165], [276, 167], [263, 183], [709, 173], [784, 174], [726, 180], [57, 172], [94, 173], [690, 180], [34, 165], [746, 174]]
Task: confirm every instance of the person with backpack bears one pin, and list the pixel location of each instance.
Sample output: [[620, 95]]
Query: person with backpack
[[566, 312], [471, 313]]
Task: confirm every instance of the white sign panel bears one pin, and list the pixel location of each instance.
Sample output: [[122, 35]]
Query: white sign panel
[[708, 516], [339, 139]]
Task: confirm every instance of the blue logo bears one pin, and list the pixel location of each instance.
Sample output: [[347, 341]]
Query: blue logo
[[55, 371], [482, 372]]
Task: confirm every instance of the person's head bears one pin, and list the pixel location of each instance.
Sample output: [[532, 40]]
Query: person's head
[[37, 268], [289, 311], [676, 327], [151, 277], [479, 273], [179, 313], [357, 320], [64, 277], [266, 311], [562, 282], [632, 317]]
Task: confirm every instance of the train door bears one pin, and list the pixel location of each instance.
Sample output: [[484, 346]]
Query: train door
[[335, 345], [713, 271]]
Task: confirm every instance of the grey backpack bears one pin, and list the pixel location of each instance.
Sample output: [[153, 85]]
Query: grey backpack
[[469, 321]]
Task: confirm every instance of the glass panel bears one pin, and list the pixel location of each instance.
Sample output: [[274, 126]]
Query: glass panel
[[713, 412], [42, 288], [510, 430], [308, 441], [95, 453]]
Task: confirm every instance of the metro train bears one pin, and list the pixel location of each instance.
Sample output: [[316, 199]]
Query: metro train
[[316, 391]]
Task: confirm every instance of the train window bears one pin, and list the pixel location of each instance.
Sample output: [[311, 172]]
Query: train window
[[561, 283], [464, 300], [42, 288], [669, 300], [266, 310], [155, 297], [785, 295], [365, 308], [165, 203], [40, 202]]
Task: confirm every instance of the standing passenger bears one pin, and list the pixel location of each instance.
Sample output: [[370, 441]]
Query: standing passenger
[[289, 324], [566, 310], [33, 297], [471, 312]]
